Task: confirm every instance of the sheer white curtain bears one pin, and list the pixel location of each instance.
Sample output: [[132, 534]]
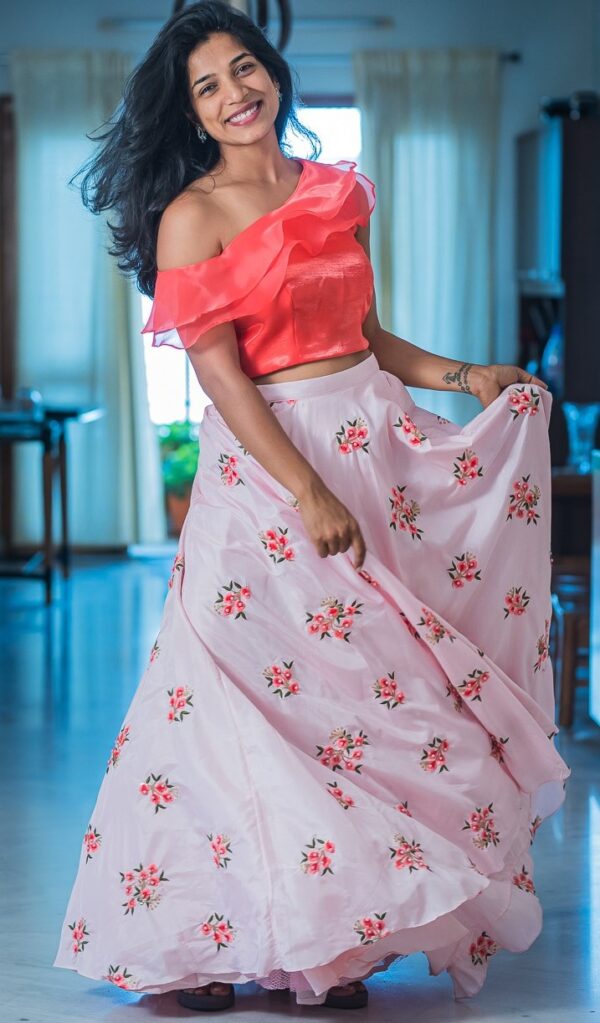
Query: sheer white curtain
[[78, 317], [429, 127]]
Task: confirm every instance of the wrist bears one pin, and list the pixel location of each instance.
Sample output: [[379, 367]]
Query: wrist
[[478, 378], [467, 377], [308, 486]]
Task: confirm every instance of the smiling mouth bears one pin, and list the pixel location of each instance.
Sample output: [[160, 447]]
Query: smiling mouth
[[245, 115]]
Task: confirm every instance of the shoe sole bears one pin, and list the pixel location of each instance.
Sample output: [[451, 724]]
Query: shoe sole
[[205, 1003], [356, 1001]]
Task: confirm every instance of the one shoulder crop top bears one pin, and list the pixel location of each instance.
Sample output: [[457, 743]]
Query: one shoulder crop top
[[296, 284]]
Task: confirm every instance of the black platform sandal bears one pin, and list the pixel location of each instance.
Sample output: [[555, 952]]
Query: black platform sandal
[[206, 1002], [357, 1000]]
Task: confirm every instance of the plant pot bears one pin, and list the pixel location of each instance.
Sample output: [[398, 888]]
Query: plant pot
[[177, 509]]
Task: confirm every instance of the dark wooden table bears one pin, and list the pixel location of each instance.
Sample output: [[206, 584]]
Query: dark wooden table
[[47, 424]]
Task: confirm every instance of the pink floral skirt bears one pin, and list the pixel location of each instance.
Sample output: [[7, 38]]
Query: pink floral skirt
[[323, 769]]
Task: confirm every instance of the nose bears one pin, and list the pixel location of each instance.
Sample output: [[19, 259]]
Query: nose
[[235, 92]]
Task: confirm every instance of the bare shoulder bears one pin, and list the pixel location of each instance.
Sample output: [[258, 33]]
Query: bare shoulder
[[188, 231]]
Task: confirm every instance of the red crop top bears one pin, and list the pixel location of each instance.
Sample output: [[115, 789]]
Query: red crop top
[[296, 284]]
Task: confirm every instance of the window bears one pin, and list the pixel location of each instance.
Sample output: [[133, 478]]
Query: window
[[173, 391]]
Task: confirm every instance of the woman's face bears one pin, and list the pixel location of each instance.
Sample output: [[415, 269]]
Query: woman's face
[[225, 80]]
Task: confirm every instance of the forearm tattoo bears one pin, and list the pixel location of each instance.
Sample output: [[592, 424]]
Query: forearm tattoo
[[460, 377]]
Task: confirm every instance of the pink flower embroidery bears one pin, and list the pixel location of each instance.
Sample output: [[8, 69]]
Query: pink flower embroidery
[[407, 854], [452, 691], [334, 790], [404, 513], [276, 543], [281, 679], [409, 625], [230, 476], [470, 687], [154, 652], [523, 501], [141, 887], [335, 620], [219, 929], [79, 935], [282, 401], [543, 646], [177, 567], [92, 841], [497, 744], [524, 881], [437, 631], [523, 401], [403, 808], [515, 601], [221, 848], [180, 698], [482, 826], [344, 752], [371, 928], [367, 577], [467, 467], [534, 827], [482, 949], [433, 757], [121, 978], [160, 793], [386, 690], [318, 859], [409, 431], [463, 569], [115, 753], [352, 437], [231, 600]]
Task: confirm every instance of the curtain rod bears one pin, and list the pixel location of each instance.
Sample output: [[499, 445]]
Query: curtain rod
[[338, 59]]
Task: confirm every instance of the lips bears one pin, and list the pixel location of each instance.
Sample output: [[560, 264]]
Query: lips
[[249, 106]]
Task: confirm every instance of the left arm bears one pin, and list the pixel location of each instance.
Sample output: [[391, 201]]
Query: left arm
[[416, 367]]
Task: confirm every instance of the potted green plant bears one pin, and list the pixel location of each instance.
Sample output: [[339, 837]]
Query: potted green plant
[[179, 449]]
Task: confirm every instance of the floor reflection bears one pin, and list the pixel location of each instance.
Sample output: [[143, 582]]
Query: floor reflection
[[69, 673]]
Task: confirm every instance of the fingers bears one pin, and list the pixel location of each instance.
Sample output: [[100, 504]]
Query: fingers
[[528, 378], [339, 544], [359, 548]]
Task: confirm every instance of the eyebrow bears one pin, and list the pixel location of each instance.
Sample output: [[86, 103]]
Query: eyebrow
[[211, 75]]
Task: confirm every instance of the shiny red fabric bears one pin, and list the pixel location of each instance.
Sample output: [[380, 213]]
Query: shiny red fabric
[[296, 284]]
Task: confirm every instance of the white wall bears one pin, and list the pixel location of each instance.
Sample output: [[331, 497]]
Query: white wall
[[559, 41]]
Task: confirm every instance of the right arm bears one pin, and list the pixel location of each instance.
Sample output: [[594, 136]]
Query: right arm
[[185, 236]]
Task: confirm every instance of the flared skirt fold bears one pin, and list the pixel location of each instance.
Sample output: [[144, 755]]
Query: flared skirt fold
[[323, 769]]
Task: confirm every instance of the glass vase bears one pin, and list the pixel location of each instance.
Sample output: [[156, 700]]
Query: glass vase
[[582, 421]]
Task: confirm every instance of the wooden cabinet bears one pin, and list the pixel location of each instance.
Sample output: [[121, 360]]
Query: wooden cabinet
[[558, 256]]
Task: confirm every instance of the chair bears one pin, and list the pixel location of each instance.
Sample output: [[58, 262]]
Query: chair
[[570, 632]]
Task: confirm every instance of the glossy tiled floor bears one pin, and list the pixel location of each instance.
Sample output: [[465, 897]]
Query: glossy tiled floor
[[68, 674]]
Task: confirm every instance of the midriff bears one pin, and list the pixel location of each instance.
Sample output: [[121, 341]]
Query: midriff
[[319, 368]]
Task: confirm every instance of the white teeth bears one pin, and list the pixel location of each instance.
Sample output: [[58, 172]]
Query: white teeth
[[243, 117]]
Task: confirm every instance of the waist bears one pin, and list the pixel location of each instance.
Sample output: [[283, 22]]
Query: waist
[[307, 387], [318, 366]]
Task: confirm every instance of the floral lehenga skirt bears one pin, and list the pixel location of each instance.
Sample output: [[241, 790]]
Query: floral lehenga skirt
[[323, 769]]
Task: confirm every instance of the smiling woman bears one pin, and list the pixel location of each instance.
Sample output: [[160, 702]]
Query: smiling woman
[[160, 139], [342, 744]]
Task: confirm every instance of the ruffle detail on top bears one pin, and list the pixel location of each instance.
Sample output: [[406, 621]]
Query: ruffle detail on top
[[250, 271]]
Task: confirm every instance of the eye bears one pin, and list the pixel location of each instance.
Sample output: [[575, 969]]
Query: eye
[[240, 67]]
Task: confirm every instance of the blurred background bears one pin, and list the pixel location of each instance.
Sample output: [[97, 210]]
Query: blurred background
[[480, 126]]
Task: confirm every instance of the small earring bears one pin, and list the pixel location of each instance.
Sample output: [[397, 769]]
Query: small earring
[[201, 133], [278, 91]]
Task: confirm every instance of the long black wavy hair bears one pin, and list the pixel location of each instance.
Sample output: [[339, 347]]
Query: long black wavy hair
[[151, 150]]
